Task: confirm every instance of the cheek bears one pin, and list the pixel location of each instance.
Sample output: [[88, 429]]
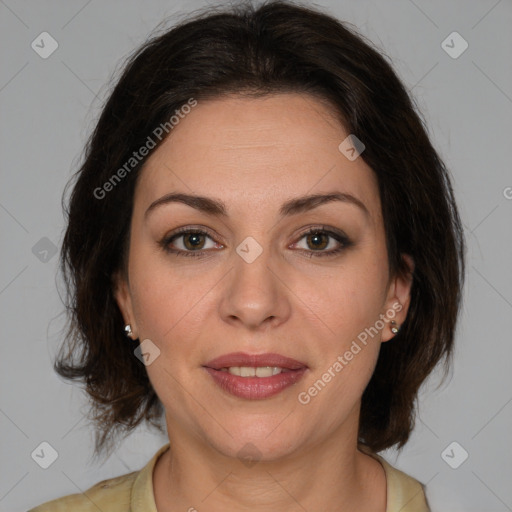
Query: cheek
[[355, 311], [348, 298], [162, 303], [152, 291], [171, 304], [156, 295], [150, 295]]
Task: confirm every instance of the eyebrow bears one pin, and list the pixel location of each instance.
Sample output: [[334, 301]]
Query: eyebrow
[[217, 208]]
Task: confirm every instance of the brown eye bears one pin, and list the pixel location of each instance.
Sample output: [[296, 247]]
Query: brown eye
[[318, 240], [188, 242], [193, 241]]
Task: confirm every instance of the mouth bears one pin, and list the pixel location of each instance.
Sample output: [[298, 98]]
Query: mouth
[[255, 376], [246, 363], [255, 371]]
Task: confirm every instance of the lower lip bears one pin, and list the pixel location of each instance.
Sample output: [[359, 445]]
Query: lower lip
[[255, 388]]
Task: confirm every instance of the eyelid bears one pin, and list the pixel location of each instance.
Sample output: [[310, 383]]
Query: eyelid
[[340, 236], [191, 229], [179, 232]]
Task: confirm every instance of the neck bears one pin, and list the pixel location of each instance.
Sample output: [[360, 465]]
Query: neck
[[331, 475]]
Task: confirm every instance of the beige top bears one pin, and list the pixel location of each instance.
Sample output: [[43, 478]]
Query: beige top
[[133, 492]]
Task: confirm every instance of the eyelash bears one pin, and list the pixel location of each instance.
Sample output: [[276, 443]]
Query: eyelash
[[340, 237]]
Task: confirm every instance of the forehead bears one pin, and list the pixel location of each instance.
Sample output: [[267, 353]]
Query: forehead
[[253, 152]]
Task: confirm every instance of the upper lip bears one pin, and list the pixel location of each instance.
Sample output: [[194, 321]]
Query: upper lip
[[254, 360]]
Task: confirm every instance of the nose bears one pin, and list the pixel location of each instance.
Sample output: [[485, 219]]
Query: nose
[[255, 294]]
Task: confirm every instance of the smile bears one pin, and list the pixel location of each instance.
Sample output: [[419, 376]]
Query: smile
[[250, 371]]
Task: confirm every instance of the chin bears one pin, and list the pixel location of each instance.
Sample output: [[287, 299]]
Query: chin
[[265, 440]]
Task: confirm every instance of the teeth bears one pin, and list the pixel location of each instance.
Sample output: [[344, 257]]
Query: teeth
[[250, 371]]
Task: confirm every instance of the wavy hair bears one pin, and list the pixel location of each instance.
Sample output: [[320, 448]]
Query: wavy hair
[[276, 47]]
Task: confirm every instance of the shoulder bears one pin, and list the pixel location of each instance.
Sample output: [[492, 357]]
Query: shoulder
[[126, 493], [405, 493], [113, 495]]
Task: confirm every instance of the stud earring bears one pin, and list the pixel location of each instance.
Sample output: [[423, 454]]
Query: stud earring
[[394, 328], [128, 330]]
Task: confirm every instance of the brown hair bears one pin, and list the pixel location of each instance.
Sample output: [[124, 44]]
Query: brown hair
[[276, 47]]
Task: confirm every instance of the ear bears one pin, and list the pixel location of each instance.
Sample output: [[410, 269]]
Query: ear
[[398, 299], [123, 298]]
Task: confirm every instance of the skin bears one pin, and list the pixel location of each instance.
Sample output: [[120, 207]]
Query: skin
[[255, 154]]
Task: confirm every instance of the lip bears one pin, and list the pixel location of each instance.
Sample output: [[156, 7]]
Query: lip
[[244, 359], [255, 388]]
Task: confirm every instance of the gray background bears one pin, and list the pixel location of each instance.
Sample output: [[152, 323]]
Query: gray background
[[48, 107]]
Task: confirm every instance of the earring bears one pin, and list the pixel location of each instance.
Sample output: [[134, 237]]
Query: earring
[[128, 330], [394, 327]]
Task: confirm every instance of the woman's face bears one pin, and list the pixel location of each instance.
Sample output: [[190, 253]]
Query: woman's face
[[256, 282]]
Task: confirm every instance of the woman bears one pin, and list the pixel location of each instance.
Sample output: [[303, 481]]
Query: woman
[[261, 212]]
